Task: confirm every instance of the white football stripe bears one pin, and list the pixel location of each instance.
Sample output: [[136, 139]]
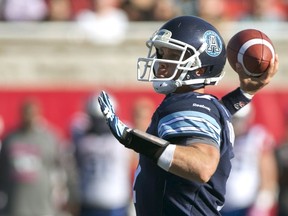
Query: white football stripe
[[246, 46]]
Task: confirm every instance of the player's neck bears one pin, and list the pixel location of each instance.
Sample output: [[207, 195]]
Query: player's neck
[[185, 89]]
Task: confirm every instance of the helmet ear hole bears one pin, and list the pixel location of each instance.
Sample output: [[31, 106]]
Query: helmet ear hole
[[190, 75], [195, 73], [200, 71]]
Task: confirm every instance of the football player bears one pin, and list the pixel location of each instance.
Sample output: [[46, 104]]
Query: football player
[[186, 151]]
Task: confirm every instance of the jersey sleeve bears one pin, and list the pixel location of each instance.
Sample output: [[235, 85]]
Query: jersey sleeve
[[202, 122]]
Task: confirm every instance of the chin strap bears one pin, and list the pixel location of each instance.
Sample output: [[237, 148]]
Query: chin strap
[[205, 81], [170, 86], [165, 87]]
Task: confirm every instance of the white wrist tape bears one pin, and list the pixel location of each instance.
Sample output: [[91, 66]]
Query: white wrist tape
[[166, 158], [247, 95]]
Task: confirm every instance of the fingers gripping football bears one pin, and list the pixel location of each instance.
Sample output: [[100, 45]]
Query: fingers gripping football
[[252, 85]]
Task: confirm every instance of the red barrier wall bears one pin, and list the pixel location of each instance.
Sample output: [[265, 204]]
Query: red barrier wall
[[59, 105]]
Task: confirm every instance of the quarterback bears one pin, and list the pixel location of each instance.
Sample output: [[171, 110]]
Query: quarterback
[[185, 153]]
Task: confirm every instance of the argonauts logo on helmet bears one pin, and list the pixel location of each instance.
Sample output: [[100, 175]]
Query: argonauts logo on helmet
[[214, 43]]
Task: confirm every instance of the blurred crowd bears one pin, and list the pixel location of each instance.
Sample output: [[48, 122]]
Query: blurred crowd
[[144, 10], [94, 18]]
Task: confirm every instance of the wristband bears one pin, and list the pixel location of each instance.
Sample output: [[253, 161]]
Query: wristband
[[145, 144], [235, 100], [166, 158]]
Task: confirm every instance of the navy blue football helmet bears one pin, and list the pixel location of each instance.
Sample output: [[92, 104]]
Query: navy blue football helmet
[[190, 34]]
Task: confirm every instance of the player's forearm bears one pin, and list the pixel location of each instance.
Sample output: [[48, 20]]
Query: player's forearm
[[196, 162]]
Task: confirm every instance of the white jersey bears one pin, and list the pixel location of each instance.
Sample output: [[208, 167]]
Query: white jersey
[[243, 182], [104, 171]]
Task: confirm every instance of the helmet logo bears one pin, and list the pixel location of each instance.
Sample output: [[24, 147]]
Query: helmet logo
[[214, 43]]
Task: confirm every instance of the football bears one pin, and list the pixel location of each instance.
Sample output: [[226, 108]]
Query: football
[[252, 49]]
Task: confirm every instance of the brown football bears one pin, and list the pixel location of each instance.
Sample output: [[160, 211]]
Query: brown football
[[252, 49]]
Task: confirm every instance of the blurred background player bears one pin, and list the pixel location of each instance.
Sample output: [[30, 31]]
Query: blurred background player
[[281, 153], [142, 112], [32, 182], [103, 166], [252, 184]]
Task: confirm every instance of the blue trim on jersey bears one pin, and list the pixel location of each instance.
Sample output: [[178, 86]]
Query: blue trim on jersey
[[189, 123]]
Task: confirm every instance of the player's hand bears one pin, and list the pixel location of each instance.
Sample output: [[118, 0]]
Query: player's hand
[[251, 85], [117, 127]]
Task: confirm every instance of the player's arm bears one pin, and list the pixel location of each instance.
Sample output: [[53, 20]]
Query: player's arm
[[177, 158], [173, 158], [249, 86], [196, 162]]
